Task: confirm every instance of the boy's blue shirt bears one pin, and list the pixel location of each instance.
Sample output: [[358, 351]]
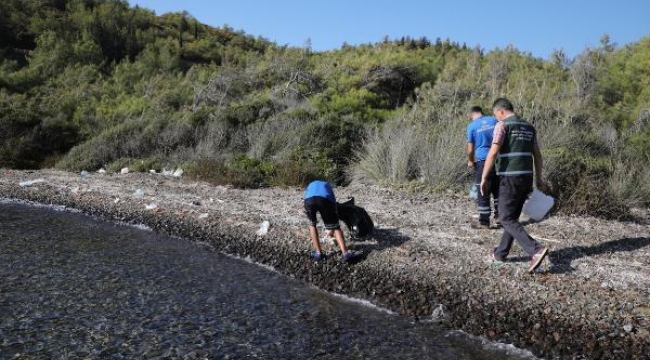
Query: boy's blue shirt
[[321, 189]]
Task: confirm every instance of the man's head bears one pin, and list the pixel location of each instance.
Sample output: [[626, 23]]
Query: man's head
[[502, 108], [475, 112]]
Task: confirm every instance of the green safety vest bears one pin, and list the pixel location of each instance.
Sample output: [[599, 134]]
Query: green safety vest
[[516, 154]]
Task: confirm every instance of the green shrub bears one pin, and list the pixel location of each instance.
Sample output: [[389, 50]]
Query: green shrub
[[305, 165], [580, 183], [240, 172]]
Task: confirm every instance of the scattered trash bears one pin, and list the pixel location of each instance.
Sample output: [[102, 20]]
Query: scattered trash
[[328, 238], [138, 193], [84, 174], [264, 228], [203, 216], [124, 170], [178, 173], [473, 191], [153, 171], [196, 203], [101, 171], [166, 172], [151, 206], [439, 312], [29, 183], [116, 200], [628, 328]]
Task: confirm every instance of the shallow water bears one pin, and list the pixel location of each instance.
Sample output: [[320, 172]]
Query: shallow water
[[72, 287]]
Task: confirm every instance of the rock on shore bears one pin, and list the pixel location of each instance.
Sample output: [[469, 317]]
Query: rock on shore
[[590, 298]]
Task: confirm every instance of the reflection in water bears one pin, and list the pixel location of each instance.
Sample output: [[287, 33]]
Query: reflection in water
[[78, 288]]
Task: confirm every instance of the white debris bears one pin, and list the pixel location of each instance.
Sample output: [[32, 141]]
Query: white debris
[[84, 174], [438, 312], [203, 216], [264, 228], [178, 173], [101, 171], [328, 238], [153, 171], [124, 170], [116, 200], [138, 193], [151, 206], [29, 183], [628, 328], [166, 172]]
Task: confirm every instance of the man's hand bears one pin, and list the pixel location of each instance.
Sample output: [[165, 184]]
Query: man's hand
[[483, 186], [470, 164]]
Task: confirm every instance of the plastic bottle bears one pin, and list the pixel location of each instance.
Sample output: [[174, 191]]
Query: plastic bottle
[[473, 191]]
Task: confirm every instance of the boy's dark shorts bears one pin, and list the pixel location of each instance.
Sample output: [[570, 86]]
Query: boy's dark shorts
[[327, 210]]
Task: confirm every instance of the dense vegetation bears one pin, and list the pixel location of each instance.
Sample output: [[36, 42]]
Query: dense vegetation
[[86, 84]]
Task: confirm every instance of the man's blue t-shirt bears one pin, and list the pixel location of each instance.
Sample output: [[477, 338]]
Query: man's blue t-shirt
[[479, 133], [320, 188]]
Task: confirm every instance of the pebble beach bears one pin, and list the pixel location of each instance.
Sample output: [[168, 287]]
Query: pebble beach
[[590, 298]]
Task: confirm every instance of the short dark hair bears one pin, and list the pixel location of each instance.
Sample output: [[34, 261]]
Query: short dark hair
[[503, 103], [477, 109]]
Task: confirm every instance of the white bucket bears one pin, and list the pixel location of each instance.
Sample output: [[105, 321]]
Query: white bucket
[[537, 205]]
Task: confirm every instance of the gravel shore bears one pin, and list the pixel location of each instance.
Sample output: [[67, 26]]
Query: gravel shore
[[590, 299]]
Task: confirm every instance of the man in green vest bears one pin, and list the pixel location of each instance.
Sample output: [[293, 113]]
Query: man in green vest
[[517, 157]]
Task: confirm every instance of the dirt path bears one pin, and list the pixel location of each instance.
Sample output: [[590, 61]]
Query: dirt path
[[590, 298]]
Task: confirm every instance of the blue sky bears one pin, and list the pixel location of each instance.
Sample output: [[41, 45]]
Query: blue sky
[[535, 26]]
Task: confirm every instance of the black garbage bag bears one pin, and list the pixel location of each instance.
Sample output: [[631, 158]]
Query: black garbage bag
[[355, 218]]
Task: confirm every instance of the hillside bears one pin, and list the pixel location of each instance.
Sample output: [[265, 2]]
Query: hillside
[[87, 84]]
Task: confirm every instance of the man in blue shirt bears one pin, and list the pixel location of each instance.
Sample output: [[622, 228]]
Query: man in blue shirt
[[479, 141], [319, 198]]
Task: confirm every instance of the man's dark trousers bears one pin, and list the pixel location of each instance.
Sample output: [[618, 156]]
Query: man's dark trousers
[[513, 192]]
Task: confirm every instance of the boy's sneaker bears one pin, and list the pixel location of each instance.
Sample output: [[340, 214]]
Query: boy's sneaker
[[317, 255], [351, 256], [537, 259]]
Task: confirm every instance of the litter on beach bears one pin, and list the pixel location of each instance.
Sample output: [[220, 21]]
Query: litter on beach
[[29, 183], [151, 206], [124, 170], [264, 228]]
